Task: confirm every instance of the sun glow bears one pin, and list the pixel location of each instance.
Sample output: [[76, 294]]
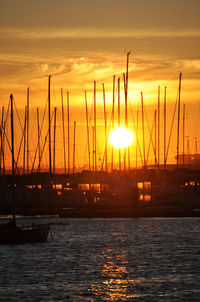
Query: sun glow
[[121, 138]]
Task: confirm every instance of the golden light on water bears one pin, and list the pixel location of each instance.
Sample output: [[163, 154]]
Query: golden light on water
[[121, 138]]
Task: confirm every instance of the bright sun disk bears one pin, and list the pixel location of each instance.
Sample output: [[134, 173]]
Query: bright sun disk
[[121, 138]]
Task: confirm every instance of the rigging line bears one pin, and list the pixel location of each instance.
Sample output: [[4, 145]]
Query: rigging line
[[107, 136], [108, 133], [3, 136], [171, 127], [44, 142], [85, 156], [137, 141], [18, 116], [39, 136], [22, 138], [150, 142], [5, 123], [33, 161], [196, 123], [150, 134], [11, 150]]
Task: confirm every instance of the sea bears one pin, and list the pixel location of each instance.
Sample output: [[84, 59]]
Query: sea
[[141, 259]]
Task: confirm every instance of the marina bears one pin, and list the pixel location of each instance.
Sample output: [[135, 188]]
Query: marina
[[99, 151], [110, 191]]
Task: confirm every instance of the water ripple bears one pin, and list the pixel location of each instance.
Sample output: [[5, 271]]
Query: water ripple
[[106, 260]]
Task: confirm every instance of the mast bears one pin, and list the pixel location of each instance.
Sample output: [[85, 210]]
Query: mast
[[25, 122], [95, 131], [68, 137], [113, 119], [38, 126], [165, 107], [74, 145], [124, 78], [183, 135], [188, 146], [49, 113], [119, 120], [1, 153], [136, 145], [126, 90], [88, 134], [158, 127], [155, 152], [27, 139], [63, 126], [105, 121], [54, 141], [179, 102], [195, 145], [12, 135], [93, 161], [142, 104], [3, 139], [126, 103]]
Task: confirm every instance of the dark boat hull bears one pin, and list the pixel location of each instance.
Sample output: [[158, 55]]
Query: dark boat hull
[[38, 233]]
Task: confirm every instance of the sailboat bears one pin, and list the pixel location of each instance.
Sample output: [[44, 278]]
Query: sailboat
[[10, 233]]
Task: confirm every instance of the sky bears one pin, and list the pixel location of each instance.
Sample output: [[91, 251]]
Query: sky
[[78, 42]]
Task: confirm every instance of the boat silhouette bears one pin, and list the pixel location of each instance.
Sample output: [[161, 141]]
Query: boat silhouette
[[10, 233]]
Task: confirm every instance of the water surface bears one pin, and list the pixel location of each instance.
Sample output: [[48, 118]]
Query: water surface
[[154, 259]]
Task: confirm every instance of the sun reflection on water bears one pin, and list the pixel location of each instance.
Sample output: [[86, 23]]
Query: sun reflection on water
[[116, 284]]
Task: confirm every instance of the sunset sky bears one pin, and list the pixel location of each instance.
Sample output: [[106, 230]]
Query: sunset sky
[[78, 42]]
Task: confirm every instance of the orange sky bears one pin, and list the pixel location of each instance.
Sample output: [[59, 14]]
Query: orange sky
[[83, 41]]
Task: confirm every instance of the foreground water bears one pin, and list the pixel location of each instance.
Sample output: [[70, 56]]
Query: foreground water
[[150, 259]]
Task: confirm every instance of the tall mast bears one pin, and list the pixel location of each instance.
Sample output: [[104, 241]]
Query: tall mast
[[136, 145], [178, 128], [54, 141], [188, 146], [93, 161], [195, 145], [119, 120], [63, 126], [158, 127], [25, 122], [88, 134], [27, 139], [126, 121], [3, 139], [12, 135], [68, 137], [49, 113], [113, 119], [38, 126], [142, 104], [126, 108], [105, 121], [95, 131], [74, 145], [183, 135], [165, 107], [155, 151], [126, 91], [126, 103], [1, 152]]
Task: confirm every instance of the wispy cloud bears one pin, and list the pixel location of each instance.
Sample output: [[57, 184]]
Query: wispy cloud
[[63, 33]]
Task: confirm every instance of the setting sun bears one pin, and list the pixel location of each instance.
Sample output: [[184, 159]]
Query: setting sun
[[121, 138]]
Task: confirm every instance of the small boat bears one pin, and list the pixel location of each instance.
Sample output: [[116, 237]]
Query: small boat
[[10, 233]]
